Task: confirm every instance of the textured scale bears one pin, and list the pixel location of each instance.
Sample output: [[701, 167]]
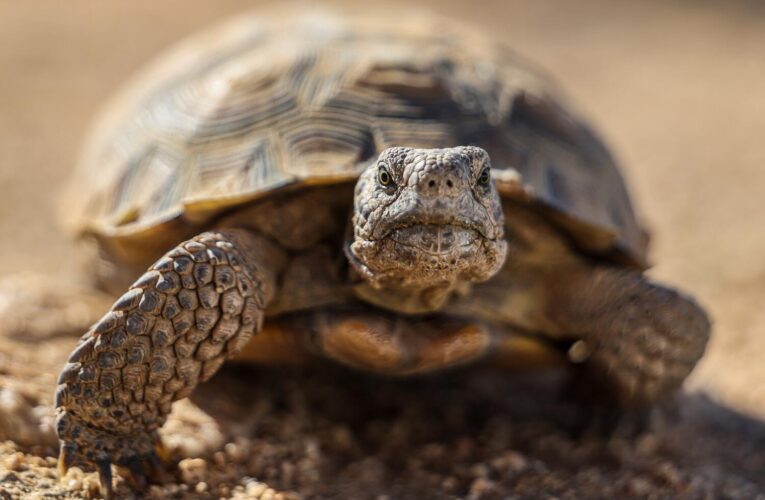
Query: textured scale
[[155, 345], [259, 103]]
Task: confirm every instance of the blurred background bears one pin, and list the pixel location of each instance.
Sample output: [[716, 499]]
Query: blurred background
[[675, 87]]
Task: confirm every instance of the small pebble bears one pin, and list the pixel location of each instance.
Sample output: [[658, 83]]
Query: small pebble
[[74, 472], [514, 461], [639, 486], [670, 474], [255, 488], [237, 452], [74, 484], [91, 485], [192, 470], [15, 462], [480, 487]]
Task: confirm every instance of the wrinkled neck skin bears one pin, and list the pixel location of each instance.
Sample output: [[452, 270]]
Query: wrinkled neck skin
[[427, 224]]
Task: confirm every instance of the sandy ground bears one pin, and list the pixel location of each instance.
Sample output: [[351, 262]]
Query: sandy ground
[[676, 87]]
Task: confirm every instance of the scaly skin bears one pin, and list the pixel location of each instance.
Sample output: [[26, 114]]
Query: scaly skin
[[640, 340], [195, 307], [426, 224]]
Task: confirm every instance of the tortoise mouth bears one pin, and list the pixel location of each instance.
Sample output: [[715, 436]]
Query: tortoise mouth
[[437, 240], [420, 256], [446, 225]]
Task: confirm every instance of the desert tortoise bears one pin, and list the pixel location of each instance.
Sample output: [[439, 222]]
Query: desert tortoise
[[320, 187]]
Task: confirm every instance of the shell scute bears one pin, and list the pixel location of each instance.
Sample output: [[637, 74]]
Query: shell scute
[[239, 112]]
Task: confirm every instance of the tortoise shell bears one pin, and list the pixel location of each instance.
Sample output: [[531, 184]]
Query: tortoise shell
[[262, 104]]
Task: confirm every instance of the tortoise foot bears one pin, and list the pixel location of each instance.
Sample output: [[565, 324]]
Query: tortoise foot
[[142, 460]]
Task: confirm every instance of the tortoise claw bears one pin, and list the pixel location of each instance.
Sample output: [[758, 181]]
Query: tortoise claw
[[66, 459], [150, 468], [140, 470], [162, 453], [158, 462], [105, 478], [137, 474]]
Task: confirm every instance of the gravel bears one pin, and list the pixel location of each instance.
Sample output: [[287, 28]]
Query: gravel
[[327, 432]]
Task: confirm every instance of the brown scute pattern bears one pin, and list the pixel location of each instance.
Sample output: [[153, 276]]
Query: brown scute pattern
[[263, 102], [191, 310], [567, 173], [572, 171]]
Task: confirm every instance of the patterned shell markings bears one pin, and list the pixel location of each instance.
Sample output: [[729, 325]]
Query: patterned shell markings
[[259, 103]]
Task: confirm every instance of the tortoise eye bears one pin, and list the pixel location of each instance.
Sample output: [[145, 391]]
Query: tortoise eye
[[384, 177], [485, 177]]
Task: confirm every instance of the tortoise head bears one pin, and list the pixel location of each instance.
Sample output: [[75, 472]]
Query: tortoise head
[[427, 219]]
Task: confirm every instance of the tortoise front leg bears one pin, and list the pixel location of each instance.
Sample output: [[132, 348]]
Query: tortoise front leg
[[195, 307], [638, 341]]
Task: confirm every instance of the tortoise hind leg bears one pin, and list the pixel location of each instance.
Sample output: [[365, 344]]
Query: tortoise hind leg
[[196, 306]]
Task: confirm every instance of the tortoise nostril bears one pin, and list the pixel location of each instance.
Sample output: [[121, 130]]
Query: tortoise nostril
[[431, 183], [449, 183]]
